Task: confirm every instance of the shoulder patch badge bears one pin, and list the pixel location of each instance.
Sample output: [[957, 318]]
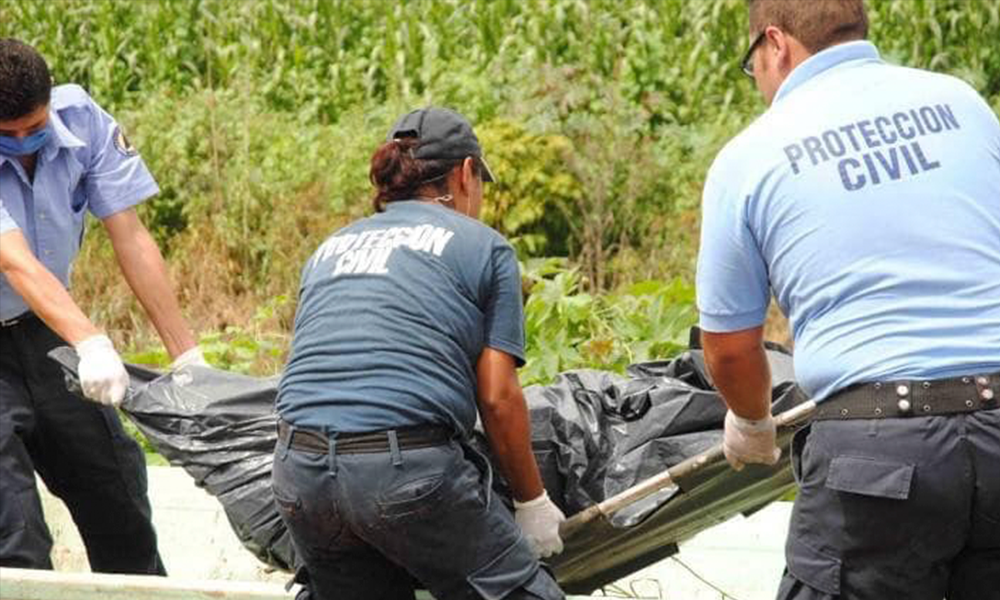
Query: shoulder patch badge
[[122, 144]]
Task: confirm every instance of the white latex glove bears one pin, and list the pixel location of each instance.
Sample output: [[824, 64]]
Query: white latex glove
[[746, 441], [102, 374], [192, 356], [539, 520]]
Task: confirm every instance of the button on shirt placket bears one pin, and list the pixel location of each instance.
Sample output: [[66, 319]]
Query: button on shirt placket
[[46, 234], [38, 219], [20, 192]]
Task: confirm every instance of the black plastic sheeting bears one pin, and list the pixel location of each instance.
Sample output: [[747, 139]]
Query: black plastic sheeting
[[679, 416], [594, 434], [220, 427]]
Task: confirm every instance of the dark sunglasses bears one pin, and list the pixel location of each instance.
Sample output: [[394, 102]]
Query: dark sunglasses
[[746, 65]]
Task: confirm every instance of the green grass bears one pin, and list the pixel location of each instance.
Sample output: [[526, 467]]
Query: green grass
[[258, 119], [155, 460]]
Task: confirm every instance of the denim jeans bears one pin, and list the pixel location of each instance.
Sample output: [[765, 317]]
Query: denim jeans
[[377, 526], [81, 452]]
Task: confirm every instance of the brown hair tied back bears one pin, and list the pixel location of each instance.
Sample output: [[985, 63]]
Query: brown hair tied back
[[398, 175]]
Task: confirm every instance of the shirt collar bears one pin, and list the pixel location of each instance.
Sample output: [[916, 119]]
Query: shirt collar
[[401, 203], [59, 137], [825, 60]]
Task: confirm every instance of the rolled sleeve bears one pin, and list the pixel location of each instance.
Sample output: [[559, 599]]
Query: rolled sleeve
[[7, 222], [504, 315], [118, 178], [732, 282]]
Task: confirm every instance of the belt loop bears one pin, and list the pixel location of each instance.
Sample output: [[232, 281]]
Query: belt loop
[[331, 457], [287, 442], [397, 458]]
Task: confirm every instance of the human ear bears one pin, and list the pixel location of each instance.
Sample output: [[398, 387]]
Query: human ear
[[782, 49], [468, 172]]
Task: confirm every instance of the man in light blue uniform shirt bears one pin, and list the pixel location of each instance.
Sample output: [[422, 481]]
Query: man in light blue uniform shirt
[[62, 156], [867, 200]]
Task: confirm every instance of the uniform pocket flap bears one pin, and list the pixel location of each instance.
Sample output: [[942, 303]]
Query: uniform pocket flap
[[870, 477], [813, 567], [512, 569]]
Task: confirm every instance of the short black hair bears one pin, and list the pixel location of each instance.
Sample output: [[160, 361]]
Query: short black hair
[[25, 82]]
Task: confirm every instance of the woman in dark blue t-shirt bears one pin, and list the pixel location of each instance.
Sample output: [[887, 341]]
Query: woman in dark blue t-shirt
[[410, 324]]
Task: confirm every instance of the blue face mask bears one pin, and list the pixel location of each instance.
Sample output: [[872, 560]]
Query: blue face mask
[[30, 144]]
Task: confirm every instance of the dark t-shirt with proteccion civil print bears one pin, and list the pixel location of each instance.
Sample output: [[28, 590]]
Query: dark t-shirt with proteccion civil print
[[394, 311]]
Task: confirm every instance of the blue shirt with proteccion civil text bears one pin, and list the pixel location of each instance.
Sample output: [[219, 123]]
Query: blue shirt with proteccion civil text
[[394, 311], [867, 199]]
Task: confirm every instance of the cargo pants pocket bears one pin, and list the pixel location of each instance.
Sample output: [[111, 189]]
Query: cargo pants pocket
[[870, 477], [511, 570], [542, 586], [839, 509], [816, 570]]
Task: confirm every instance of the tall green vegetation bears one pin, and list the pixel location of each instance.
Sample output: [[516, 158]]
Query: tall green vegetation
[[600, 116]]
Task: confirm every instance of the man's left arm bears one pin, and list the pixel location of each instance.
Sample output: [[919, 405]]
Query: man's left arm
[[146, 273]]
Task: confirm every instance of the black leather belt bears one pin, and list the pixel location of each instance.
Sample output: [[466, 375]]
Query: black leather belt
[[311, 440], [910, 398]]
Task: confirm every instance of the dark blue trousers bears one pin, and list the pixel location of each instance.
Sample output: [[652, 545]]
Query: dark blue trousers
[[899, 508], [81, 452], [377, 526]]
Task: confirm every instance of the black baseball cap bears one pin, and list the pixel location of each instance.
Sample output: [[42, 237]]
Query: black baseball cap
[[443, 134]]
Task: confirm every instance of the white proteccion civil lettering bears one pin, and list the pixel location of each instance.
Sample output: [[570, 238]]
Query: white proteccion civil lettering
[[345, 242], [320, 254], [401, 236], [374, 238], [365, 259], [438, 239], [359, 242], [417, 236], [369, 252], [345, 263], [379, 263]]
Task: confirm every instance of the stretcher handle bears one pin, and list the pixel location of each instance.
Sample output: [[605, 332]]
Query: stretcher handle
[[611, 505]]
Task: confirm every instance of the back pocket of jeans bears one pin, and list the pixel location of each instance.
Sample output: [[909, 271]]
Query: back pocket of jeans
[[870, 477], [412, 499], [313, 527], [287, 505]]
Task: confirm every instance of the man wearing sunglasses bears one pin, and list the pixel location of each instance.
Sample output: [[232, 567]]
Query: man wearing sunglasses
[[62, 156], [866, 199]]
